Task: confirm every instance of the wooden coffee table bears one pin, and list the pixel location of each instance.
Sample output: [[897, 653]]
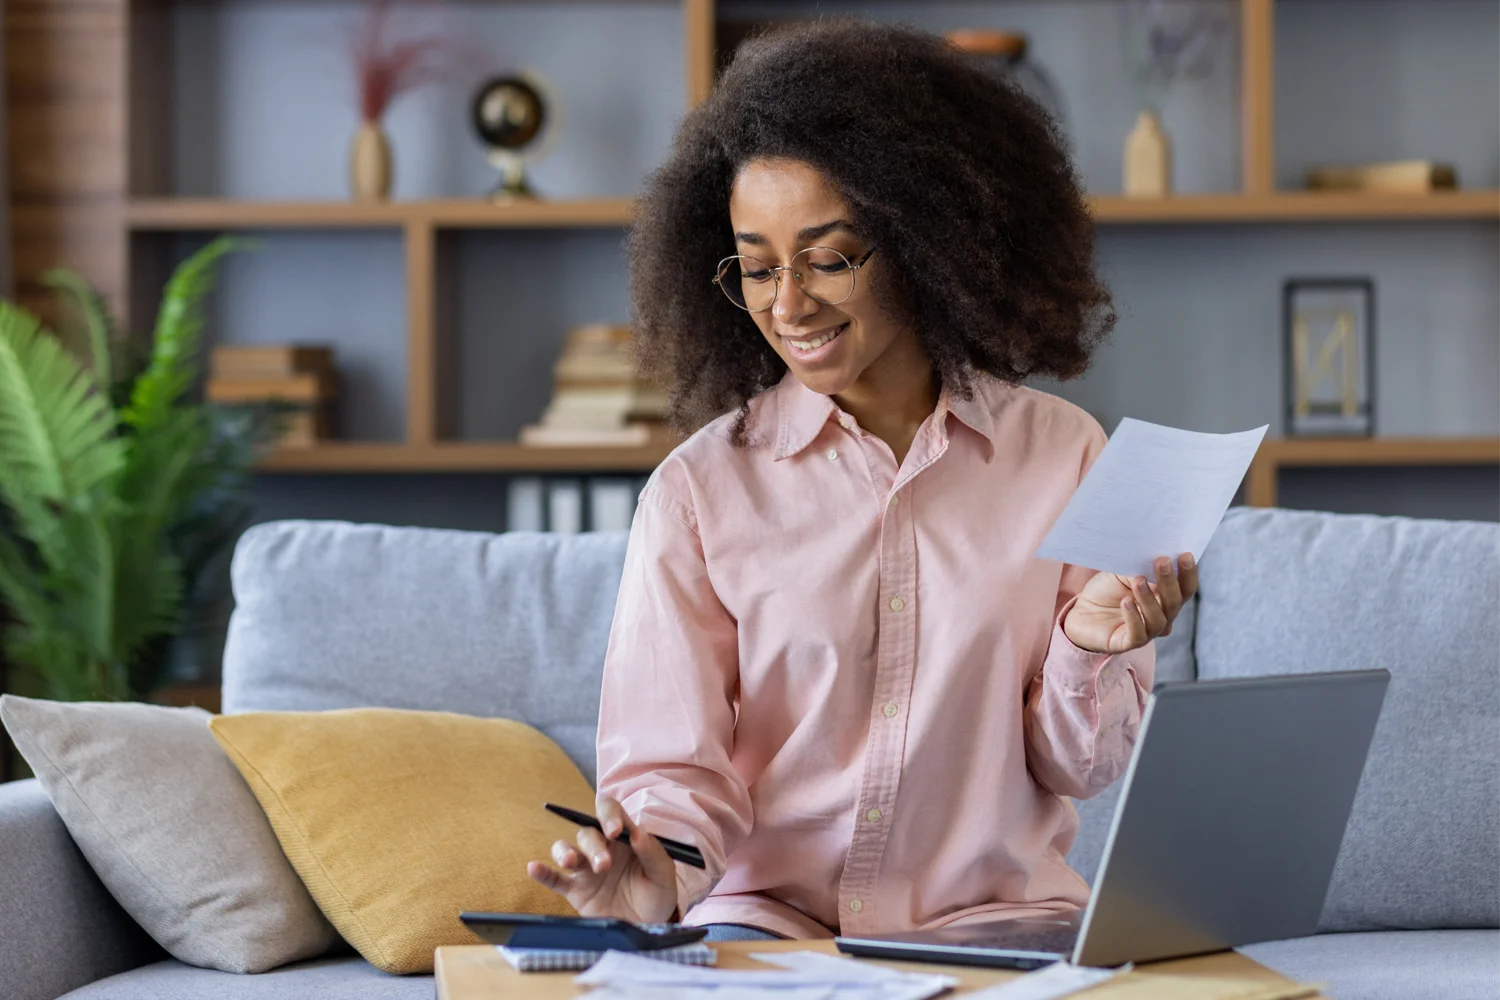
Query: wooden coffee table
[[477, 972]]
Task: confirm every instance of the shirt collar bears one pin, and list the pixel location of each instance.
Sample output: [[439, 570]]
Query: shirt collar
[[976, 413], [802, 414]]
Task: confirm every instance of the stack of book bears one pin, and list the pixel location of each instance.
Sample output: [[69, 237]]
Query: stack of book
[[598, 397], [297, 382]]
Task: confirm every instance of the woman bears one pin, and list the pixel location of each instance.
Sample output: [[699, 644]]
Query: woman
[[836, 665]]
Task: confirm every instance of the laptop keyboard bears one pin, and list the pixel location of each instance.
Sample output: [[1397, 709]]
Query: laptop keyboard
[[1059, 940]]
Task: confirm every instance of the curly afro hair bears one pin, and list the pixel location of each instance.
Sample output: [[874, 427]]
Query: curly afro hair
[[960, 179]]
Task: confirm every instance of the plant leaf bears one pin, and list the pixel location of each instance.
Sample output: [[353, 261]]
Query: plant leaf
[[57, 432], [90, 304], [174, 348]]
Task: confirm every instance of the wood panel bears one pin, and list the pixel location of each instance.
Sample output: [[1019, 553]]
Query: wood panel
[[148, 99], [166, 215], [421, 334], [65, 126], [466, 456], [698, 18], [1276, 454], [1296, 206], [1257, 96], [187, 214]]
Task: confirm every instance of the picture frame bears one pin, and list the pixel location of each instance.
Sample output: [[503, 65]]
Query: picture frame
[[1328, 356]]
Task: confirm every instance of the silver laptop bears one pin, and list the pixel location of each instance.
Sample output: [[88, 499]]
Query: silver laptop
[[1229, 822]]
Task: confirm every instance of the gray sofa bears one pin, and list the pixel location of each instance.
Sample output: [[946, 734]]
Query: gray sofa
[[333, 615]]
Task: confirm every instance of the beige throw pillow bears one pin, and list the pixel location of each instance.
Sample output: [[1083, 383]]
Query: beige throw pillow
[[172, 830]]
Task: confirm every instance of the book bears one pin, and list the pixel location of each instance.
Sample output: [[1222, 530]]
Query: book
[[303, 428], [523, 505], [559, 959], [603, 410], [304, 415], [565, 506], [611, 504], [256, 361], [304, 388], [1395, 177], [544, 436]]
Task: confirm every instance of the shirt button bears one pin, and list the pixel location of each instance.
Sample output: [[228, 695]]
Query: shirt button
[[897, 604], [855, 905], [895, 501], [846, 421], [873, 815], [891, 710], [833, 455]]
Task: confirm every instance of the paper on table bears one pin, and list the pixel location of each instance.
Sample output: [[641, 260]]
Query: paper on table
[[1153, 491], [656, 991], [1057, 980], [892, 985], [807, 976]]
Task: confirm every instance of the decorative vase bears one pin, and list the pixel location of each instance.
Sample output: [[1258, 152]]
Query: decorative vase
[[370, 163], [1148, 158]]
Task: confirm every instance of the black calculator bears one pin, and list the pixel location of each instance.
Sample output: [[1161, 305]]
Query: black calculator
[[529, 930]]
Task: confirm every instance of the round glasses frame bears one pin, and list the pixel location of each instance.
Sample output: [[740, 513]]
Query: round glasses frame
[[853, 265]]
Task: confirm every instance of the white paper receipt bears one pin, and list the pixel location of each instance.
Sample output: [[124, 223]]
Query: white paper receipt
[[1153, 491], [1057, 980], [801, 976]]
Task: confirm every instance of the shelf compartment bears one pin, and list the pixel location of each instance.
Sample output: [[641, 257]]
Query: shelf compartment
[[465, 456], [1276, 454]]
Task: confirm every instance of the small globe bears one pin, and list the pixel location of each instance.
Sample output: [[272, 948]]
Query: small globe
[[508, 112]]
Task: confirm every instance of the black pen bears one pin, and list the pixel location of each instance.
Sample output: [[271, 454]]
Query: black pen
[[676, 850]]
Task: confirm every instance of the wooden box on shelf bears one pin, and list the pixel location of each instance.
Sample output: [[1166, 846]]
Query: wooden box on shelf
[[299, 382], [1397, 177]]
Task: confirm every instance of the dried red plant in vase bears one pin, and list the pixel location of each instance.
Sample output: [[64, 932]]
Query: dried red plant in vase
[[385, 67]]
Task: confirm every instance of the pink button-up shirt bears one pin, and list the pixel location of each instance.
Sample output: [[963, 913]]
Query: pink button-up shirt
[[844, 680]]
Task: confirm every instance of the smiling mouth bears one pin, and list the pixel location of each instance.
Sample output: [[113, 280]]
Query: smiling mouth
[[815, 342]]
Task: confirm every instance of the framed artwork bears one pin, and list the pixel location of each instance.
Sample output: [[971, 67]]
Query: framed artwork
[[1329, 356]]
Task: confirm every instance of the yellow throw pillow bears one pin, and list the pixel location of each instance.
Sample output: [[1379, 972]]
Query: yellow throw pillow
[[396, 821]]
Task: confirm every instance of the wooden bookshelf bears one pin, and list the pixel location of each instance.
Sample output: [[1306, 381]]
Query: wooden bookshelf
[[93, 191], [1276, 454], [465, 456]]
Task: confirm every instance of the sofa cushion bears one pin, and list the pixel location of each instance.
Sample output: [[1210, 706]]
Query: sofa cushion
[[51, 899], [172, 830], [1284, 592], [334, 615], [323, 979], [1391, 965], [399, 821]]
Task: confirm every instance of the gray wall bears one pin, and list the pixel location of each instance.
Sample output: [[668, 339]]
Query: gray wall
[[263, 109], [265, 104]]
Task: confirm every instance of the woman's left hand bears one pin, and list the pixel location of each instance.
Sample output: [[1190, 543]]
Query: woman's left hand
[[1114, 614]]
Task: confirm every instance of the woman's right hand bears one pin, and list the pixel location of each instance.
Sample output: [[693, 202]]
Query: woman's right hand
[[602, 877]]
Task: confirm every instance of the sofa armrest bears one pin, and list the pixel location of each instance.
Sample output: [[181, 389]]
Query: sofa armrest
[[59, 927]]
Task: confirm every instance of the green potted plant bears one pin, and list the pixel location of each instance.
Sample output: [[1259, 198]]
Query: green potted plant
[[117, 490]]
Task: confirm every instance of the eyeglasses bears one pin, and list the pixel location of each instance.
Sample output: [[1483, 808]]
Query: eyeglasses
[[823, 274]]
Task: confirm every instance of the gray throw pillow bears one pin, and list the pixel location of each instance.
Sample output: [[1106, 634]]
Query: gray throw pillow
[[172, 829]]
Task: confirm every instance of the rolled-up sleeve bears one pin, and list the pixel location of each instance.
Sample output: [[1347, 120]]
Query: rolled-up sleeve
[[1083, 709], [667, 710]]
